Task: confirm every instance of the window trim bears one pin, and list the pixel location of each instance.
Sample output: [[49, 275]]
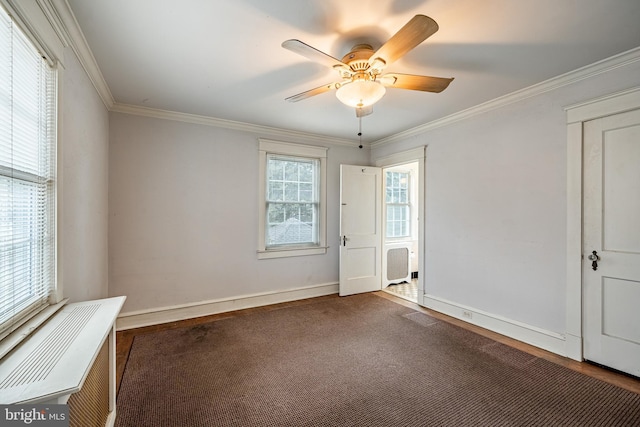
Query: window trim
[[267, 146]]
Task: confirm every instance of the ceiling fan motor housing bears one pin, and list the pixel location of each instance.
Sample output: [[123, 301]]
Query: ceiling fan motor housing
[[358, 58]]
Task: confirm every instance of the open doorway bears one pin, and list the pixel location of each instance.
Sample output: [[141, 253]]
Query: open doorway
[[400, 215], [368, 260]]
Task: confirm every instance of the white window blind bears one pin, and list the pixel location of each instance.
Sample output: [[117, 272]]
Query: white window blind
[[27, 177]]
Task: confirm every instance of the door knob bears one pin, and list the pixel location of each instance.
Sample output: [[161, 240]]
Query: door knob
[[595, 258]]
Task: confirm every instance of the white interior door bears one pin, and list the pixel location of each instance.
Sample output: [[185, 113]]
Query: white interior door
[[360, 229], [612, 229]]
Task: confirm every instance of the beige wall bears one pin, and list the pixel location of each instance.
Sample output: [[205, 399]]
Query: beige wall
[[496, 210], [183, 209], [83, 186]]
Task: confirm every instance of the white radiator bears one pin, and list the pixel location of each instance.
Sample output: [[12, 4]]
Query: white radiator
[[397, 263]]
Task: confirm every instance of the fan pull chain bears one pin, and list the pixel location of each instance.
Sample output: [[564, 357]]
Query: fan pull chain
[[360, 131]]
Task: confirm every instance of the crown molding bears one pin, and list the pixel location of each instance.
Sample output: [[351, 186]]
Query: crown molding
[[67, 23], [571, 77], [54, 19], [230, 124]]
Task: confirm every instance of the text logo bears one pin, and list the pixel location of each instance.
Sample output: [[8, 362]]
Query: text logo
[[34, 415]]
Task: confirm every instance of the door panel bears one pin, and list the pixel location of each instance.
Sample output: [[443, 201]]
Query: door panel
[[612, 229], [621, 297], [621, 182], [360, 229], [359, 201]]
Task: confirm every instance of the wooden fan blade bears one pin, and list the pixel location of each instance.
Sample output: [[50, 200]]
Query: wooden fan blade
[[315, 55], [417, 30], [364, 111], [412, 82], [312, 92]]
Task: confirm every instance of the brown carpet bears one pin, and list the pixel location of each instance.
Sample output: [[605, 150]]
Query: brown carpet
[[354, 361]]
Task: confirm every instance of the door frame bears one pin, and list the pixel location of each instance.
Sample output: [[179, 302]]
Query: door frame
[[419, 155], [577, 114]]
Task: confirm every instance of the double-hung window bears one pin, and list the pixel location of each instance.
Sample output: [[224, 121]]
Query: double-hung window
[[27, 177], [398, 204], [292, 199]]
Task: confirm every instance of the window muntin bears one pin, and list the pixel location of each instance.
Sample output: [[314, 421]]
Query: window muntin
[[292, 201], [27, 176], [398, 204]]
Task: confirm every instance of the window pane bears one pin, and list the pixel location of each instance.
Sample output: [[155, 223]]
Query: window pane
[[402, 196], [291, 171], [294, 224], [306, 172], [276, 213], [275, 191], [307, 214], [397, 229], [306, 192], [291, 191], [276, 169]]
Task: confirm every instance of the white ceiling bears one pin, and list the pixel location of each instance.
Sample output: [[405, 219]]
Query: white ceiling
[[223, 59]]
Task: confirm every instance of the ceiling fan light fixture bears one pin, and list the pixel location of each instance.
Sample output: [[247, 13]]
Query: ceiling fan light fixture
[[360, 93]]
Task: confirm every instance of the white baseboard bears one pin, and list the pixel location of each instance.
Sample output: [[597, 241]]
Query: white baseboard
[[155, 316], [547, 340]]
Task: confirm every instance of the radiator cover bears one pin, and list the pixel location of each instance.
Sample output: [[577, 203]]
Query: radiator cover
[[90, 406], [69, 359]]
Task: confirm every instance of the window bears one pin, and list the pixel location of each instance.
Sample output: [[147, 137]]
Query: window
[[398, 204], [292, 199], [27, 177]]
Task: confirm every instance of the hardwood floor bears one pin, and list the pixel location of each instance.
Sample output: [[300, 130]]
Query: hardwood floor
[[124, 339]]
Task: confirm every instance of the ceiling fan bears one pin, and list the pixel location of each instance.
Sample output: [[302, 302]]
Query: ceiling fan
[[363, 81]]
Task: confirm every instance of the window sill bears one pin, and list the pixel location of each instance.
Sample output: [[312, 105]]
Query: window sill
[[291, 252], [25, 329]]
